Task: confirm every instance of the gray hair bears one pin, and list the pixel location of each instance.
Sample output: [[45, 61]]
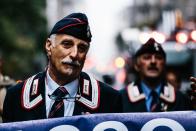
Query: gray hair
[[53, 38]]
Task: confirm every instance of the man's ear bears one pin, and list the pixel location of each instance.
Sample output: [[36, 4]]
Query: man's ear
[[136, 65], [48, 45]]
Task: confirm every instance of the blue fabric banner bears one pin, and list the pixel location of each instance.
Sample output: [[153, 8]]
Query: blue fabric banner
[[165, 121]]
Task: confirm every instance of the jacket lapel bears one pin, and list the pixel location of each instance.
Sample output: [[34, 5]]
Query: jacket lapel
[[79, 109], [33, 96], [89, 91], [42, 110], [134, 93], [141, 106]]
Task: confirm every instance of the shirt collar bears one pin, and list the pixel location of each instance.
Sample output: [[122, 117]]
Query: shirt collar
[[147, 90], [71, 87]]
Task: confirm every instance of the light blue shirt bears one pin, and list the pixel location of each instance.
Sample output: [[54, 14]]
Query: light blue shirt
[[147, 90], [51, 86]]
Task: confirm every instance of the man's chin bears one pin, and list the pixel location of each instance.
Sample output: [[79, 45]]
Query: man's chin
[[153, 74], [153, 78], [70, 72]]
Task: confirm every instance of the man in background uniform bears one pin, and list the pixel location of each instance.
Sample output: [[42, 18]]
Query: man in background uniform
[[151, 92]]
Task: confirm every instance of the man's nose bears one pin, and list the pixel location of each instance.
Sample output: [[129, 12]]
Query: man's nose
[[74, 52], [153, 59]]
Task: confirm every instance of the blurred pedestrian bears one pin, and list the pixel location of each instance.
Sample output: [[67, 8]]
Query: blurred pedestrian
[[5, 82], [62, 90], [174, 79], [151, 92], [193, 93]]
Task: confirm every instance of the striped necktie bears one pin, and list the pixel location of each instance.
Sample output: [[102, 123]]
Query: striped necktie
[[155, 106], [57, 109]]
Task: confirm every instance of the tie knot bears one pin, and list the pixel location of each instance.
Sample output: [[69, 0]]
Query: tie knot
[[154, 94], [59, 93]]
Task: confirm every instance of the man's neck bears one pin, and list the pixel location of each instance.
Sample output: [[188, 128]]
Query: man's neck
[[152, 82]]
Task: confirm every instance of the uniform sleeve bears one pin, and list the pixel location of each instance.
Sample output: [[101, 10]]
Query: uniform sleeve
[[7, 107], [117, 104]]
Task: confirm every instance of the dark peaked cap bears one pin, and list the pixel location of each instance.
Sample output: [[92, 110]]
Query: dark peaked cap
[[75, 24], [151, 46]]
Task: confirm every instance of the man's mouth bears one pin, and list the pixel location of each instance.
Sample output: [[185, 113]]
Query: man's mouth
[[75, 64], [153, 69]]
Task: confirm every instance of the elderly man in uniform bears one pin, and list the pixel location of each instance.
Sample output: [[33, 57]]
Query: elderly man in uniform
[[151, 92], [63, 89]]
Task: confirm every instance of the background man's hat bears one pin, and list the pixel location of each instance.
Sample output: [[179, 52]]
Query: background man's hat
[[151, 46], [75, 24]]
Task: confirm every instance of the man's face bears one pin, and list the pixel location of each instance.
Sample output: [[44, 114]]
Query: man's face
[[66, 55], [150, 65]]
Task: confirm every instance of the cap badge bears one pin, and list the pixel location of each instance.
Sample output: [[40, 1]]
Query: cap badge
[[156, 47], [88, 31]]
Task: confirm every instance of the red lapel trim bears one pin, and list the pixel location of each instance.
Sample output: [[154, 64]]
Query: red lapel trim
[[133, 93], [26, 95], [94, 103]]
